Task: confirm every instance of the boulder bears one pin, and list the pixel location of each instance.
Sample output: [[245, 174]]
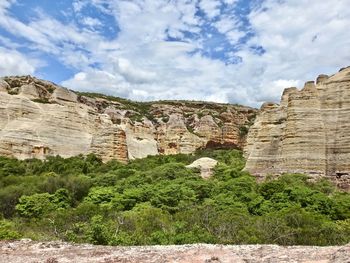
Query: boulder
[[62, 94], [206, 166], [4, 86], [29, 91]]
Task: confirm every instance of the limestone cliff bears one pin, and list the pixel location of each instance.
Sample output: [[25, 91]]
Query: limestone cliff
[[40, 119], [308, 132]]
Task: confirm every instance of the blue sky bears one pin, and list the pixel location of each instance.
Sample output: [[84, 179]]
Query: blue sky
[[235, 51]]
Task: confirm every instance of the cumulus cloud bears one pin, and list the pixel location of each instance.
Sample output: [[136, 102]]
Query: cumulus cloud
[[296, 48], [5, 4], [210, 7], [301, 38], [99, 81], [133, 74], [161, 49], [15, 63], [67, 42]]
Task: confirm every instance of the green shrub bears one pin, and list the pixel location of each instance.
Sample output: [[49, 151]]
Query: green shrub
[[7, 230], [157, 200]]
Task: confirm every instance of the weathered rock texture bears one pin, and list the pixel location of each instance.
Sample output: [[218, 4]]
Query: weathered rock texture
[[205, 165], [308, 132], [39, 119], [59, 252]]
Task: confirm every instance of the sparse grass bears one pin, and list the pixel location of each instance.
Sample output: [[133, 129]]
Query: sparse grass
[[13, 92], [243, 131]]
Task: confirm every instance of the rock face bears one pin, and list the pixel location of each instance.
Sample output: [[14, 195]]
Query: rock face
[[205, 165], [308, 132], [40, 119], [29, 251]]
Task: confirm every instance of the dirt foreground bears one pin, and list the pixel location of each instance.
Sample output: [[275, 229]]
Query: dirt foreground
[[28, 251]]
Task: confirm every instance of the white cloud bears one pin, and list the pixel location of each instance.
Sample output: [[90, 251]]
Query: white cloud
[[99, 81], [226, 24], [301, 39], [65, 41], [5, 4], [230, 2], [133, 74], [78, 5], [210, 7], [290, 59], [14, 63], [276, 87], [90, 22], [229, 25]]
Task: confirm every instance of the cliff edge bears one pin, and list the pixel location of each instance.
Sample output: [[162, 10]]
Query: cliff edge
[[308, 132], [39, 119]]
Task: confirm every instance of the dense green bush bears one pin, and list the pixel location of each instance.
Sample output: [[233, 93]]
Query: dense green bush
[[157, 200], [7, 230]]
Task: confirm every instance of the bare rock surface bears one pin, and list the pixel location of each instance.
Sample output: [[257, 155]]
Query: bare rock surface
[[4, 86], [29, 91], [308, 132], [205, 165], [64, 94], [27, 251], [39, 119]]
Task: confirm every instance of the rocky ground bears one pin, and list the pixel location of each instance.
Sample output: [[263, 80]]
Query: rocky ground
[[59, 252]]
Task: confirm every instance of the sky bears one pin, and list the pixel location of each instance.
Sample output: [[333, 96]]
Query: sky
[[236, 51]]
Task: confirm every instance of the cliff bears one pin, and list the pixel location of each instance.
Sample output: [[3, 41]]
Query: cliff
[[40, 119], [308, 132]]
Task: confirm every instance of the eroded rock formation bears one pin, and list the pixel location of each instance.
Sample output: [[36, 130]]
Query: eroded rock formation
[[205, 165], [308, 132], [39, 119]]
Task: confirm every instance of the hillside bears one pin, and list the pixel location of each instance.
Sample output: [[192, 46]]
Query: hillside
[[40, 119]]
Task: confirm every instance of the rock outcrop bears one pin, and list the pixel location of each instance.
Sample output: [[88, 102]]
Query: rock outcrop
[[308, 132], [40, 119], [24, 251], [205, 165]]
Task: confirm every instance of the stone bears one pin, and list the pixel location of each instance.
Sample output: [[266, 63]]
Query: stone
[[307, 133], [174, 137], [4, 86], [140, 140], [207, 127], [62, 94], [58, 251], [29, 91], [45, 119], [206, 166], [321, 78], [36, 130]]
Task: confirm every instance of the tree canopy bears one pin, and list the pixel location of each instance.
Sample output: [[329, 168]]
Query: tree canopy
[[157, 200]]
